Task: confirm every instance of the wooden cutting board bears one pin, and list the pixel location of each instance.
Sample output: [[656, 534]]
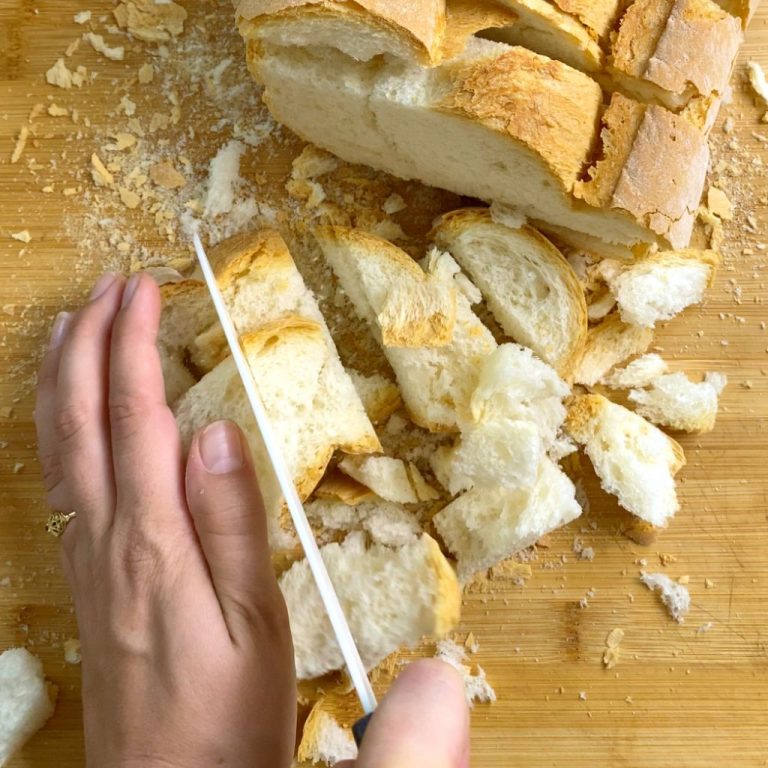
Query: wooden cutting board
[[685, 695]]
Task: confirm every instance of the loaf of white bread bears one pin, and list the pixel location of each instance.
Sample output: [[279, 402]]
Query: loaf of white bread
[[590, 119]]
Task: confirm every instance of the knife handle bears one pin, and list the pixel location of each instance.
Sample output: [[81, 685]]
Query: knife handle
[[359, 728]]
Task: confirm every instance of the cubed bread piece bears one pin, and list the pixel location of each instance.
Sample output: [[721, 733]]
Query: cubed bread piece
[[634, 460], [639, 373], [324, 740], [483, 527], [677, 402], [660, 286], [610, 344], [391, 598], [528, 285], [26, 702], [385, 476], [380, 397]]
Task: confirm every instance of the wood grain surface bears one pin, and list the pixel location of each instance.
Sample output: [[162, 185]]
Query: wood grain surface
[[680, 696]]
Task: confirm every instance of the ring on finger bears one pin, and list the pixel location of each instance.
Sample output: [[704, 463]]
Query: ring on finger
[[57, 522]]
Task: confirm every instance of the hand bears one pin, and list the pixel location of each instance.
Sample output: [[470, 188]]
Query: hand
[[187, 655], [422, 722]]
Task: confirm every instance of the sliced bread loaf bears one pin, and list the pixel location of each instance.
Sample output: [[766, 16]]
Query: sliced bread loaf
[[634, 460], [391, 598], [530, 288]]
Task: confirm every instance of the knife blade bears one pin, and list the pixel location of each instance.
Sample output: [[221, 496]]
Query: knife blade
[[349, 650]]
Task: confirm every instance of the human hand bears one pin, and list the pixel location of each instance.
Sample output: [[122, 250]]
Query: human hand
[[422, 722], [187, 656]]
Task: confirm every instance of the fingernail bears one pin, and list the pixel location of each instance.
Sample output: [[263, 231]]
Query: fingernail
[[130, 289], [102, 284], [59, 330], [220, 448]]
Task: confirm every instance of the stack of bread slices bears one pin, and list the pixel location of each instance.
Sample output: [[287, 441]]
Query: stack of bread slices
[[584, 126]]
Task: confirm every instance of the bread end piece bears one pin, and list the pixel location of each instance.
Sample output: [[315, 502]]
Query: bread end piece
[[324, 740]]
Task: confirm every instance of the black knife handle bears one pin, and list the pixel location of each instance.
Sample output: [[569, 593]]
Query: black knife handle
[[359, 728]]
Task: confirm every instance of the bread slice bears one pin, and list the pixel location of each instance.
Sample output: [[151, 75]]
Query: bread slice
[[385, 476], [610, 344], [672, 51], [639, 373], [435, 382], [294, 350], [483, 527], [660, 286], [677, 402], [380, 397], [26, 702], [384, 521], [499, 123], [528, 285], [362, 30], [391, 598], [324, 740], [635, 461]]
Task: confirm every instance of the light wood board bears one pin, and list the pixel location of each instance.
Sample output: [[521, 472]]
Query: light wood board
[[680, 696]]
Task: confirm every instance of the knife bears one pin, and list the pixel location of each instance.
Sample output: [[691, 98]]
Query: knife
[[328, 594]]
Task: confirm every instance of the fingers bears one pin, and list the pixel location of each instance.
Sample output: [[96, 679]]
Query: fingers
[[45, 410], [79, 414], [146, 450], [423, 721], [228, 514]]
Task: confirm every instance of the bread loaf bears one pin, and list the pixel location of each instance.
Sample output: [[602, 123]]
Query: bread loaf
[[497, 122]]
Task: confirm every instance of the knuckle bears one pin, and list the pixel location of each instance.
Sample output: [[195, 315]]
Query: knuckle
[[140, 555], [51, 470], [127, 412], [71, 420]]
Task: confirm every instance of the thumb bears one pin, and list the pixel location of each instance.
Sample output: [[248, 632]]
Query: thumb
[[422, 722], [228, 513]]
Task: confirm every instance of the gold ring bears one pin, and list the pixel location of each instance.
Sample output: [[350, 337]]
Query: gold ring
[[57, 522]]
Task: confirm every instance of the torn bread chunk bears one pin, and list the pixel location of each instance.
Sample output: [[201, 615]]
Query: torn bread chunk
[[516, 416], [385, 522], [26, 701], [677, 402], [385, 476], [380, 397], [435, 382], [639, 373], [372, 585], [672, 51], [292, 349], [635, 461], [660, 286], [324, 740], [742, 9], [674, 595], [530, 288], [483, 527], [610, 344]]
